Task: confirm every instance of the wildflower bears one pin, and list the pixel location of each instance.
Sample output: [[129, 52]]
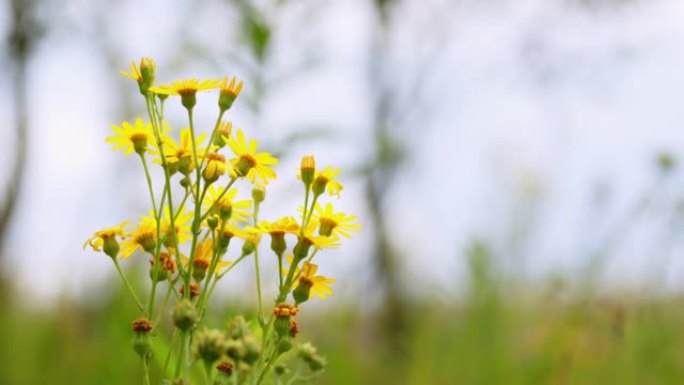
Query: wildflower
[[337, 224], [186, 89], [306, 240], [222, 131], [277, 231], [226, 207], [194, 290], [181, 155], [144, 237], [184, 315], [252, 237], [229, 92], [225, 233], [164, 267], [141, 342], [307, 170], [309, 284], [106, 238], [283, 313], [210, 345], [132, 137], [248, 163], [326, 179], [258, 193], [143, 75], [215, 167], [181, 225], [225, 367]]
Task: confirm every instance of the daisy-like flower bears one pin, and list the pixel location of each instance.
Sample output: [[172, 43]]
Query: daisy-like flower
[[144, 238], [215, 167], [336, 224], [229, 92], [281, 226], [132, 137], [202, 260], [107, 238], [277, 231], [308, 283], [144, 74], [186, 89], [181, 155], [227, 208], [181, 224], [308, 239], [326, 180], [249, 163]]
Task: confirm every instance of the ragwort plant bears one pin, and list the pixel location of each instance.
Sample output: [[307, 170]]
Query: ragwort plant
[[195, 218]]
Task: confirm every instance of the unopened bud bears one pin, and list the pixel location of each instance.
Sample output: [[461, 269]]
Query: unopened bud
[[110, 246], [301, 293], [258, 193], [185, 315], [308, 169], [212, 222]]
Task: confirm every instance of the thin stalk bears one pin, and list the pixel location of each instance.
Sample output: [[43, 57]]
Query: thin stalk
[[225, 190], [128, 285], [146, 370], [174, 337], [164, 303], [262, 323]]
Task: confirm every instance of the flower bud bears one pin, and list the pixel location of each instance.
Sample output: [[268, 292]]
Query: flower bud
[[216, 166], [185, 182], [238, 328], [252, 349], [225, 368], [148, 69], [212, 222], [283, 314], [318, 186], [307, 169], [258, 193], [278, 243], [223, 133], [194, 290], [210, 345], [301, 293], [139, 143], [301, 249], [188, 98], [199, 269], [141, 342], [235, 349], [326, 227], [186, 165], [228, 93], [184, 315], [248, 248], [110, 246]]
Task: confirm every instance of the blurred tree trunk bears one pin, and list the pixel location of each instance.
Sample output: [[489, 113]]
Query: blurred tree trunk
[[24, 34]]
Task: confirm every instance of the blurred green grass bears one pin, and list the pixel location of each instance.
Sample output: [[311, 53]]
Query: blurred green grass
[[496, 332]]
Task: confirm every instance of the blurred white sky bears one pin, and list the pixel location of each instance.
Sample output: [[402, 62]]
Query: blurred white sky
[[534, 107]]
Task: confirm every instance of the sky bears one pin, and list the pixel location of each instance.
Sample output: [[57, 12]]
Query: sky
[[536, 129]]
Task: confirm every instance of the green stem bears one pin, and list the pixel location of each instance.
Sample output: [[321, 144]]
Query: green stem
[[225, 190], [156, 123], [146, 370], [262, 323], [164, 303], [180, 364], [128, 285], [174, 337]]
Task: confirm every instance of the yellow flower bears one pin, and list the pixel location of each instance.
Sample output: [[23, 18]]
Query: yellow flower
[[326, 179], [229, 92], [215, 167], [282, 226], [144, 237], [226, 207], [186, 87], [181, 224], [248, 163], [132, 137], [144, 74], [180, 156], [337, 224], [318, 284], [100, 237]]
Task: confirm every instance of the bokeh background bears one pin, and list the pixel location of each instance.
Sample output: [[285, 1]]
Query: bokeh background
[[514, 164]]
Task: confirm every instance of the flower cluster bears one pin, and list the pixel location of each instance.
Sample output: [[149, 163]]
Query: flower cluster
[[197, 216]]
